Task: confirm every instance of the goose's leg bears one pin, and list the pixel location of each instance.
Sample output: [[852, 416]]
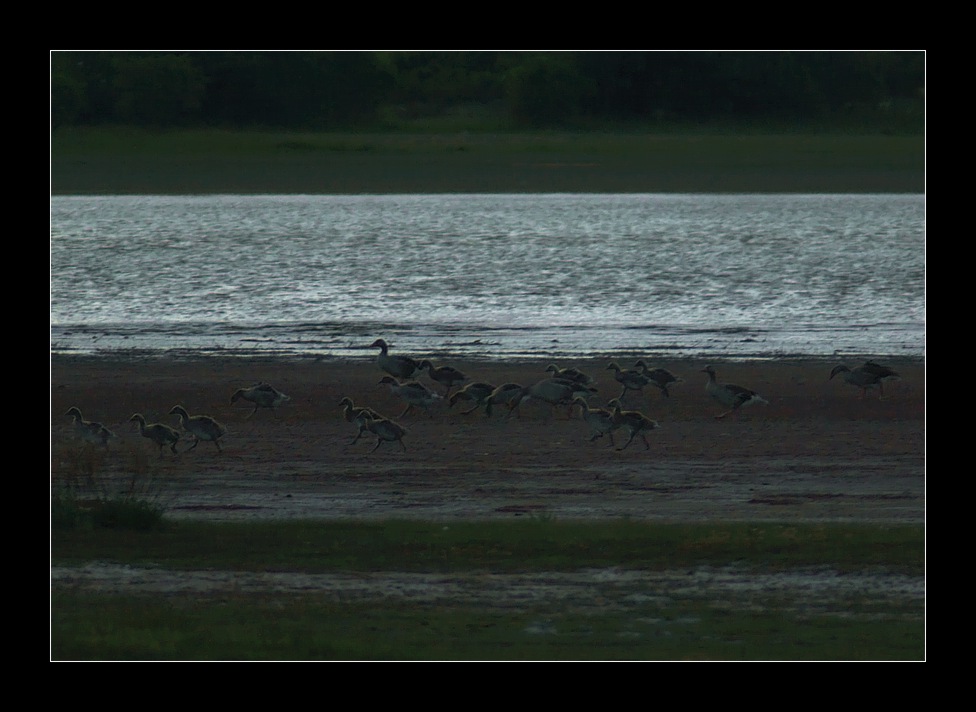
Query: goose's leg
[[632, 433], [409, 406], [378, 442], [514, 410], [196, 441], [402, 445]]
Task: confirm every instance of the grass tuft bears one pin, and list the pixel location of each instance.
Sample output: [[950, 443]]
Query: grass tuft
[[85, 495], [69, 512]]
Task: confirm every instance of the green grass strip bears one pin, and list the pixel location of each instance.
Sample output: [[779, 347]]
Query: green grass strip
[[310, 627], [501, 546]]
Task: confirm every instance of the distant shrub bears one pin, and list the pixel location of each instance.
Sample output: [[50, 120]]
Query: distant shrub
[[91, 489], [119, 512]]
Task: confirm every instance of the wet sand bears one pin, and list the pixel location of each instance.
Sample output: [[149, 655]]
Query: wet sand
[[816, 452]]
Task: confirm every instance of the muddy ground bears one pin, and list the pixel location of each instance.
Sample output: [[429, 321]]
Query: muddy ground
[[816, 453]]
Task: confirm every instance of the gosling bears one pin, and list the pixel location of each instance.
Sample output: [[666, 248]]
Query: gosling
[[159, 433], [262, 395], [88, 430], [201, 427]]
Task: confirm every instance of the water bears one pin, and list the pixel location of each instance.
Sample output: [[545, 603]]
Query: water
[[490, 276]]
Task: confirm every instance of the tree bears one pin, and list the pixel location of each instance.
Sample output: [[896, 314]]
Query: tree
[[68, 95], [547, 89], [157, 89], [351, 89]]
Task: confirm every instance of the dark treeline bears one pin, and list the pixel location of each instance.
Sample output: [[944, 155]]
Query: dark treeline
[[344, 90]]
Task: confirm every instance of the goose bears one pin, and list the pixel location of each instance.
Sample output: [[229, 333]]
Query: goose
[[262, 395], [89, 431], [658, 377], [397, 366], [630, 379], [201, 427], [159, 433], [570, 374], [385, 430], [600, 421], [447, 376], [881, 371], [554, 391], [637, 423], [358, 416], [477, 391], [413, 392], [507, 394], [579, 389], [729, 395], [870, 375]]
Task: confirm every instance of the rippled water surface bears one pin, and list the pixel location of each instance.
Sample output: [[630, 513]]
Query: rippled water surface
[[490, 275]]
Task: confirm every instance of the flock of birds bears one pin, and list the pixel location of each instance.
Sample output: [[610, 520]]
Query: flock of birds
[[568, 387], [565, 386], [198, 427]]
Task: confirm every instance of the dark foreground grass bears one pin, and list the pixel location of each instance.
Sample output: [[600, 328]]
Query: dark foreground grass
[[310, 625], [132, 161], [516, 546], [306, 627]]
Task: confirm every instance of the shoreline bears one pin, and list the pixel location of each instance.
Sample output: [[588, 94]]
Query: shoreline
[[201, 162], [190, 357], [816, 452]]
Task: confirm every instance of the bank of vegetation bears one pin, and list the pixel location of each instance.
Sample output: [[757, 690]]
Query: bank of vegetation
[[480, 121], [315, 622], [873, 92]]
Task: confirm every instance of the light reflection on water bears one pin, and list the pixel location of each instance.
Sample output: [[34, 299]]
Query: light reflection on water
[[490, 275]]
